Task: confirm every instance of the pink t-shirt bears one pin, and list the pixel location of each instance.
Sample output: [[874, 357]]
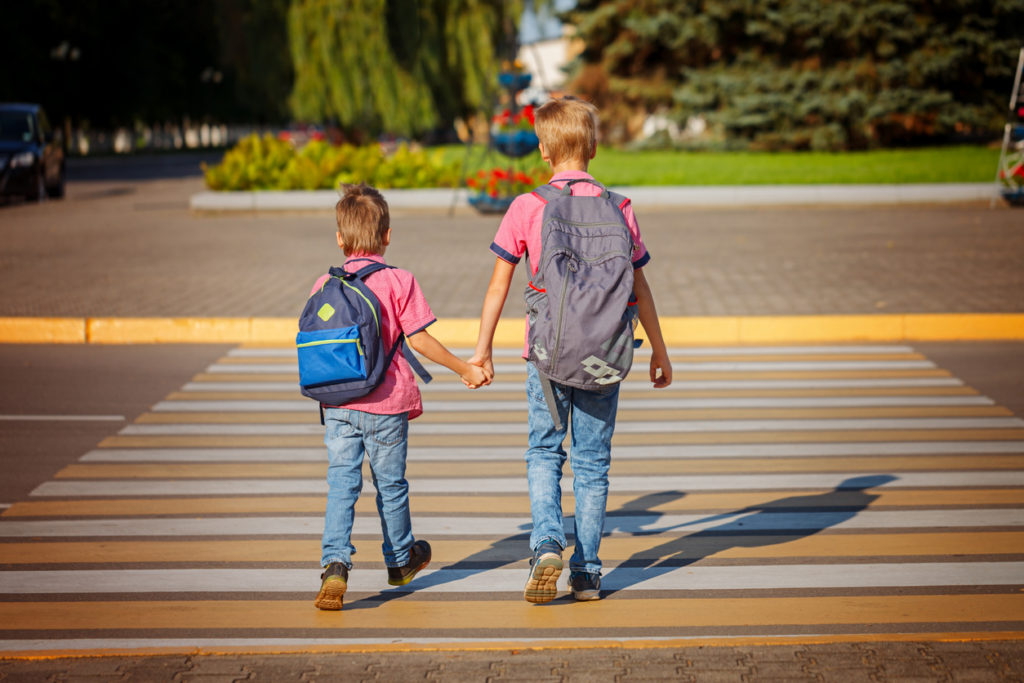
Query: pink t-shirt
[[519, 232], [404, 309]]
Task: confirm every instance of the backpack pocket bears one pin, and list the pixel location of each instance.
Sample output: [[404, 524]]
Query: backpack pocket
[[330, 356]]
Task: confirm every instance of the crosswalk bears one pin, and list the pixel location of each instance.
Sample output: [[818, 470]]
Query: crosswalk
[[786, 491]]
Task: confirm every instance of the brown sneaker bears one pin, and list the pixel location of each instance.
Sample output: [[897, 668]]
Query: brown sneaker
[[333, 586], [419, 558]]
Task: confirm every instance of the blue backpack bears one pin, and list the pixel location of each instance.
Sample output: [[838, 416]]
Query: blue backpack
[[341, 353]]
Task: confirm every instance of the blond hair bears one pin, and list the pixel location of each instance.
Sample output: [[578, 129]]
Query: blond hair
[[363, 219], [568, 129]]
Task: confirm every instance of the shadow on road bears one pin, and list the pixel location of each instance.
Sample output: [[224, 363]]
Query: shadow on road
[[753, 527], [779, 521]]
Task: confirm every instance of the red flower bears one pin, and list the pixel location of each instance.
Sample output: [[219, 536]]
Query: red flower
[[528, 113], [472, 183], [494, 193], [500, 174]]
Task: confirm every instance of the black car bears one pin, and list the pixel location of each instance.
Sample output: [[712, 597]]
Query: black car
[[31, 155]]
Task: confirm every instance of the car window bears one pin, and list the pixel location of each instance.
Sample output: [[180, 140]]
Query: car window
[[16, 126]]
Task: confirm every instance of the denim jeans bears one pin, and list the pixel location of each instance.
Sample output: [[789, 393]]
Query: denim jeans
[[592, 417], [385, 441]]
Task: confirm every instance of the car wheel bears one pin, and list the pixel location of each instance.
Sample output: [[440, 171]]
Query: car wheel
[[57, 191], [39, 194]]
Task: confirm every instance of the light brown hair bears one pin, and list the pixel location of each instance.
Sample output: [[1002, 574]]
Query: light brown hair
[[363, 219], [568, 129]]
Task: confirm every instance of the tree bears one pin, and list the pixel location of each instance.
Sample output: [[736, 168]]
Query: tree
[[400, 66], [144, 60], [796, 74]]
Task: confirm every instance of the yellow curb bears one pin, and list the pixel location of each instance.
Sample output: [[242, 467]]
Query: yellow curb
[[525, 645], [462, 332], [42, 330], [168, 330]]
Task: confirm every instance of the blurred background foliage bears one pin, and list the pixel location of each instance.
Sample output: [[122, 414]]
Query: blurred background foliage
[[720, 74], [799, 74], [148, 60], [406, 67]]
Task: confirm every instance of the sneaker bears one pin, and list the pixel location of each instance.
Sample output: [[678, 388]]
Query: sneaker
[[334, 583], [585, 586], [545, 568], [419, 558]]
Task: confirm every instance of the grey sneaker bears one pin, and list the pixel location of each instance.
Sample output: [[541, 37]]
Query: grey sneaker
[[334, 583], [545, 568], [585, 586]]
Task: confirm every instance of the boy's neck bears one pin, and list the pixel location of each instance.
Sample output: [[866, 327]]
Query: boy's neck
[[570, 166]]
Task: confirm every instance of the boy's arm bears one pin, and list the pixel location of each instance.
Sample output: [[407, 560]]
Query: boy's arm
[[497, 292], [652, 327], [424, 344]]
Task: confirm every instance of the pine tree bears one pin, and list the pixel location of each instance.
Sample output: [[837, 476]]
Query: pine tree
[[401, 66], [798, 74]]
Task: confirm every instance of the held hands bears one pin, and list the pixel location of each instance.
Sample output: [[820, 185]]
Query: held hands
[[475, 376], [660, 361], [483, 364]]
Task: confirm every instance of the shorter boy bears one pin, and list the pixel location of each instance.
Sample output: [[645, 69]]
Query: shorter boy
[[377, 424]]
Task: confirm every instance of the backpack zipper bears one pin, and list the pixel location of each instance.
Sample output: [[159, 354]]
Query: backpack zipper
[[558, 329]]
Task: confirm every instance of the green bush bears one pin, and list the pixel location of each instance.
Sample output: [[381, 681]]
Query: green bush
[[266, 163]]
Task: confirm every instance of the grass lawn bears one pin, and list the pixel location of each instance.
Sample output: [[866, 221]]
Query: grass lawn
[[962, 164]]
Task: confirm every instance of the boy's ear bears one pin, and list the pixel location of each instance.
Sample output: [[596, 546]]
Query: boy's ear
[[544, 153], [341, 243], [593, 150], [387, 238]]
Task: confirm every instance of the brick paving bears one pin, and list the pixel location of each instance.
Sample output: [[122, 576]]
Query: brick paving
[[123, 248], [975, 662]]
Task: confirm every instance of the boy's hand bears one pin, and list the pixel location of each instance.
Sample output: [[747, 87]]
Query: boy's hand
[[475, 377], [483, 360], [660, 361]]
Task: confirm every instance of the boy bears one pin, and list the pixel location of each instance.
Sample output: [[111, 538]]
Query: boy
[[567, 129], [378, 423]]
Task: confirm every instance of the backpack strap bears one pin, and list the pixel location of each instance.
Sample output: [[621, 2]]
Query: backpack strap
[[414, 362], [546, 193], [549, 397]]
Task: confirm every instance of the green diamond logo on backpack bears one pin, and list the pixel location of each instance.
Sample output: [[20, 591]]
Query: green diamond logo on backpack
[[325, 312]]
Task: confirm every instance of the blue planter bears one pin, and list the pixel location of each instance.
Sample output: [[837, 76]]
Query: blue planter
[[513, 81], [521, 143], [485, 203], [1014, 197]]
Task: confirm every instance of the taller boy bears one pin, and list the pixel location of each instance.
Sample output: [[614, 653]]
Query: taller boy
[[567, 129]]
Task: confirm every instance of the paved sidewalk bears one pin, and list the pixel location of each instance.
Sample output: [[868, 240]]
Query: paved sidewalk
[[134, 249], [919, 662]]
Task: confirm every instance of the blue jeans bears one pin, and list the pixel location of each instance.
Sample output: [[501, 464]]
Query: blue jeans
[[385, 441], [592, 416]]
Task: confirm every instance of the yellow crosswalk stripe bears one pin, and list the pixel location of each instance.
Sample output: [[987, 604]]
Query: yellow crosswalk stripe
[[475, 616], [682, 358], [512, 469], [624, 415], [451, 551], [671, 392], [521, 440], [514, 504], [678, 376]]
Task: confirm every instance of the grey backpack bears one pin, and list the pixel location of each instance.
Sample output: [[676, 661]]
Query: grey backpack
[[580, 304]]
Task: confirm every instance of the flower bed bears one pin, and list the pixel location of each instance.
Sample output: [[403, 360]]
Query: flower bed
[[496, 188], [268, 163]]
